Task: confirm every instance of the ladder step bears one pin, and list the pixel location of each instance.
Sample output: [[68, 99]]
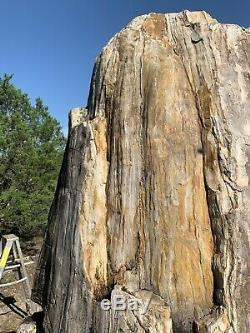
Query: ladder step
[[10, 237], [10, 267], [12, 283]]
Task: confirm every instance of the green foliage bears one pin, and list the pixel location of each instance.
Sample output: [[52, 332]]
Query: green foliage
[[31, 150]]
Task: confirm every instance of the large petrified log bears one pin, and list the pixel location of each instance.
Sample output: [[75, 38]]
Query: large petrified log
[[153, 195]]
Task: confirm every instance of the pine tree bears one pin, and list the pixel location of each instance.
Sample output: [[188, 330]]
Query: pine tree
[[31, 150]]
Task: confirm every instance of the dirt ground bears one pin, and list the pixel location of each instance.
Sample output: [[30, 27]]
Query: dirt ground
[[13, 309]]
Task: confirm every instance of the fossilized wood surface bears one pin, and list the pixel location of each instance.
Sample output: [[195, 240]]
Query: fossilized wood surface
[[213, 323], [154, 193]]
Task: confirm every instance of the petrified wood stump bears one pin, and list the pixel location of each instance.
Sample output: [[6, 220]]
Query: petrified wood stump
[[153, 195]]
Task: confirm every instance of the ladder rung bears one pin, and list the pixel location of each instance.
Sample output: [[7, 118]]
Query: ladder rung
[[12, 283], [10, 267]]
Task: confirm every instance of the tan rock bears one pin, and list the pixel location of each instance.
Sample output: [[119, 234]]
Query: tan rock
[[214, 324], [154, 190], [28, 326], [156, 317]]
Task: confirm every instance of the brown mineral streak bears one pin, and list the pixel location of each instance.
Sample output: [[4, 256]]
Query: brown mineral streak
[[158, 199]]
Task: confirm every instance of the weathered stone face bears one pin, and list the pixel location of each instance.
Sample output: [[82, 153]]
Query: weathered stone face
[[153, 194]]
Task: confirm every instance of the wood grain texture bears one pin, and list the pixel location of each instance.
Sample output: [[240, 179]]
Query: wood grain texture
[[153, 194]]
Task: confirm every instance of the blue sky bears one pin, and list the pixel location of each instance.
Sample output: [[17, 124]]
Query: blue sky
[[50, 45]]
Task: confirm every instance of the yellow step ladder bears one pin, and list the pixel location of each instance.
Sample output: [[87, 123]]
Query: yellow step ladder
[[11, 258]]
